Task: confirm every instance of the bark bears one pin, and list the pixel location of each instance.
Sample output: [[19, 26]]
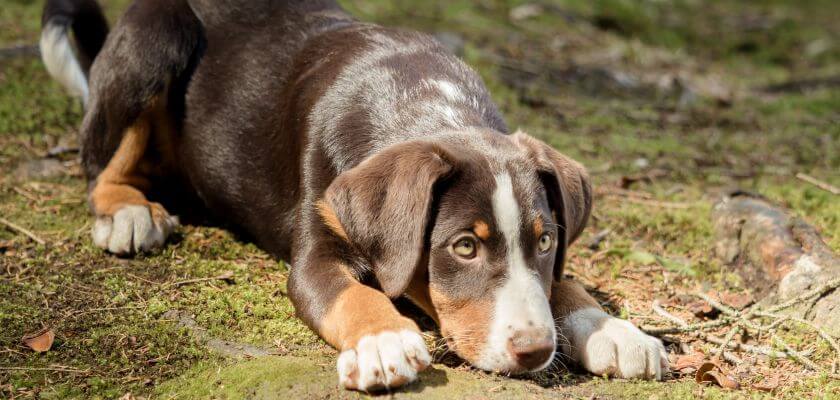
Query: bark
[[778, 255]]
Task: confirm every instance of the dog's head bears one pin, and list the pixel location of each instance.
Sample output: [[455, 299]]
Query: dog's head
[[473, 229]]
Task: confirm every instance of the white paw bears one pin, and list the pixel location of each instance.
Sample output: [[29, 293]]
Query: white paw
[[606, 345], [132, 230], [383, 361]]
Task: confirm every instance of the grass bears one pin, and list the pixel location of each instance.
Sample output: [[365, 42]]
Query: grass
[[108, 313]]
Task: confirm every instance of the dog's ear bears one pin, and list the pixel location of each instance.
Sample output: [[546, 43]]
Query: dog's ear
[[567, 187], [383, 207]]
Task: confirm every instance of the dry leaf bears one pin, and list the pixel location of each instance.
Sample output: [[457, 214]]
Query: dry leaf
[[738, 301], [711, 372], [40, 341], [767, 385], [701, 309], [688, 363]]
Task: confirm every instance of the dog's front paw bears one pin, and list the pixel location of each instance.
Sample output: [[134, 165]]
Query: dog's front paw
[[383, 361], [133, 229], [606, 345]]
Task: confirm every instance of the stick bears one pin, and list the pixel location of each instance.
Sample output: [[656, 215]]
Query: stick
[[819, 291], [223, 277], [728, 338], [818, 183], [743, 319], [823, 334], [59, 368], [22, 230], [688, 328], [696, 330]]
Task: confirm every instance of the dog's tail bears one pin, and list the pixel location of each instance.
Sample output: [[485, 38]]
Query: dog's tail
[[69, 63]]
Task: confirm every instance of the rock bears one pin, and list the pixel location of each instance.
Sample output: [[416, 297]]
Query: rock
[[779, 257]]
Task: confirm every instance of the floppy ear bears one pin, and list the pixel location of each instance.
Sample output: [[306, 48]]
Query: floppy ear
[[384, 204], [567, 186]]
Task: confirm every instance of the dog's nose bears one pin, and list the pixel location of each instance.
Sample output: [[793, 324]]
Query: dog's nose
[[531, 348]]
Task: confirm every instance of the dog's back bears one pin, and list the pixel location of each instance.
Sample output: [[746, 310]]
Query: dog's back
[[308, 96], [266, 102]]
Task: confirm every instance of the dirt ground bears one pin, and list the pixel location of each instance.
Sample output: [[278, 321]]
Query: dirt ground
[[669, 103]]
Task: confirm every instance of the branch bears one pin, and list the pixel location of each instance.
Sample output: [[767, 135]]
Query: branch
[[22, 230]]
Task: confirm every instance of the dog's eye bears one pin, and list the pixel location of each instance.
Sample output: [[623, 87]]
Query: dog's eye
[[545, 242], [464, 248]]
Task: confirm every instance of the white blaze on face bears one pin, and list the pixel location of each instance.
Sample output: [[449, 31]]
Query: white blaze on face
[[520, 303]]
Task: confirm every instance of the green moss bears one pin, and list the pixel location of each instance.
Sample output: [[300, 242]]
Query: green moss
[[108, 313]]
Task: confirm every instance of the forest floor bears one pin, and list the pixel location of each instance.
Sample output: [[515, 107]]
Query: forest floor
[[669, 104]]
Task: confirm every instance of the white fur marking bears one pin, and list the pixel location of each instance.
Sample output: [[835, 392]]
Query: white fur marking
[[132, 230], [448, 89], [61, 62], [521, 303], [386, 360], [612, 346]]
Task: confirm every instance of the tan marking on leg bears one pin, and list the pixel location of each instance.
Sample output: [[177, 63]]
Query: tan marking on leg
[[119, 184], [481, 229], [568, 296], [331, 219], [360, 311], [125, 178], [538, 227], [465, 323]]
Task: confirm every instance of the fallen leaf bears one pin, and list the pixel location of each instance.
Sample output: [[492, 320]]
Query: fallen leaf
[[767, 385], [40, 341], [738, 301], [701, 309], [711, 372], [688, 363]]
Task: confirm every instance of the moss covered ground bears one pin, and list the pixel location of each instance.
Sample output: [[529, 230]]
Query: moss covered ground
[[668, 103]]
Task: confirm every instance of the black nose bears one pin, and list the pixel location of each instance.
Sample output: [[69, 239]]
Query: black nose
[[531, 348]]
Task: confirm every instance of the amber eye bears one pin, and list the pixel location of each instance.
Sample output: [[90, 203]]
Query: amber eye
[[465, 247], [546, 241]]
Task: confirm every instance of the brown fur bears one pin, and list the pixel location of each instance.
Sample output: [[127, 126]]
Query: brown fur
[[359, 311], [466, 323], [568, 296], [126, 177], [120, 184], [359, 184]]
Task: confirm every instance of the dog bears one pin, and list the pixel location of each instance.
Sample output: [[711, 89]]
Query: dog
[[371, 158]]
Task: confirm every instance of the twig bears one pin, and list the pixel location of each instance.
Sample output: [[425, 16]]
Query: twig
[[26, 194], [726, 339], [744, 320], [697, 330], [657, 203], [22, 230], [760, 350], [823, 334], [657, 308], [818, 183], [688, 328], [223, 277], [819, 291], [58, 368], [798, 357]]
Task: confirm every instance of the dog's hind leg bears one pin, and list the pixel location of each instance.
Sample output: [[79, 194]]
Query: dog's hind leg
[[131, 130], [126, 221]]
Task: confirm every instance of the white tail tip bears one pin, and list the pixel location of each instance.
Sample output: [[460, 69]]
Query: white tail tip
[[61, 62]]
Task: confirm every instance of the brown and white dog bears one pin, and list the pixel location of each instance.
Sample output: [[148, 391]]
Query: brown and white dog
[[369, 157]]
